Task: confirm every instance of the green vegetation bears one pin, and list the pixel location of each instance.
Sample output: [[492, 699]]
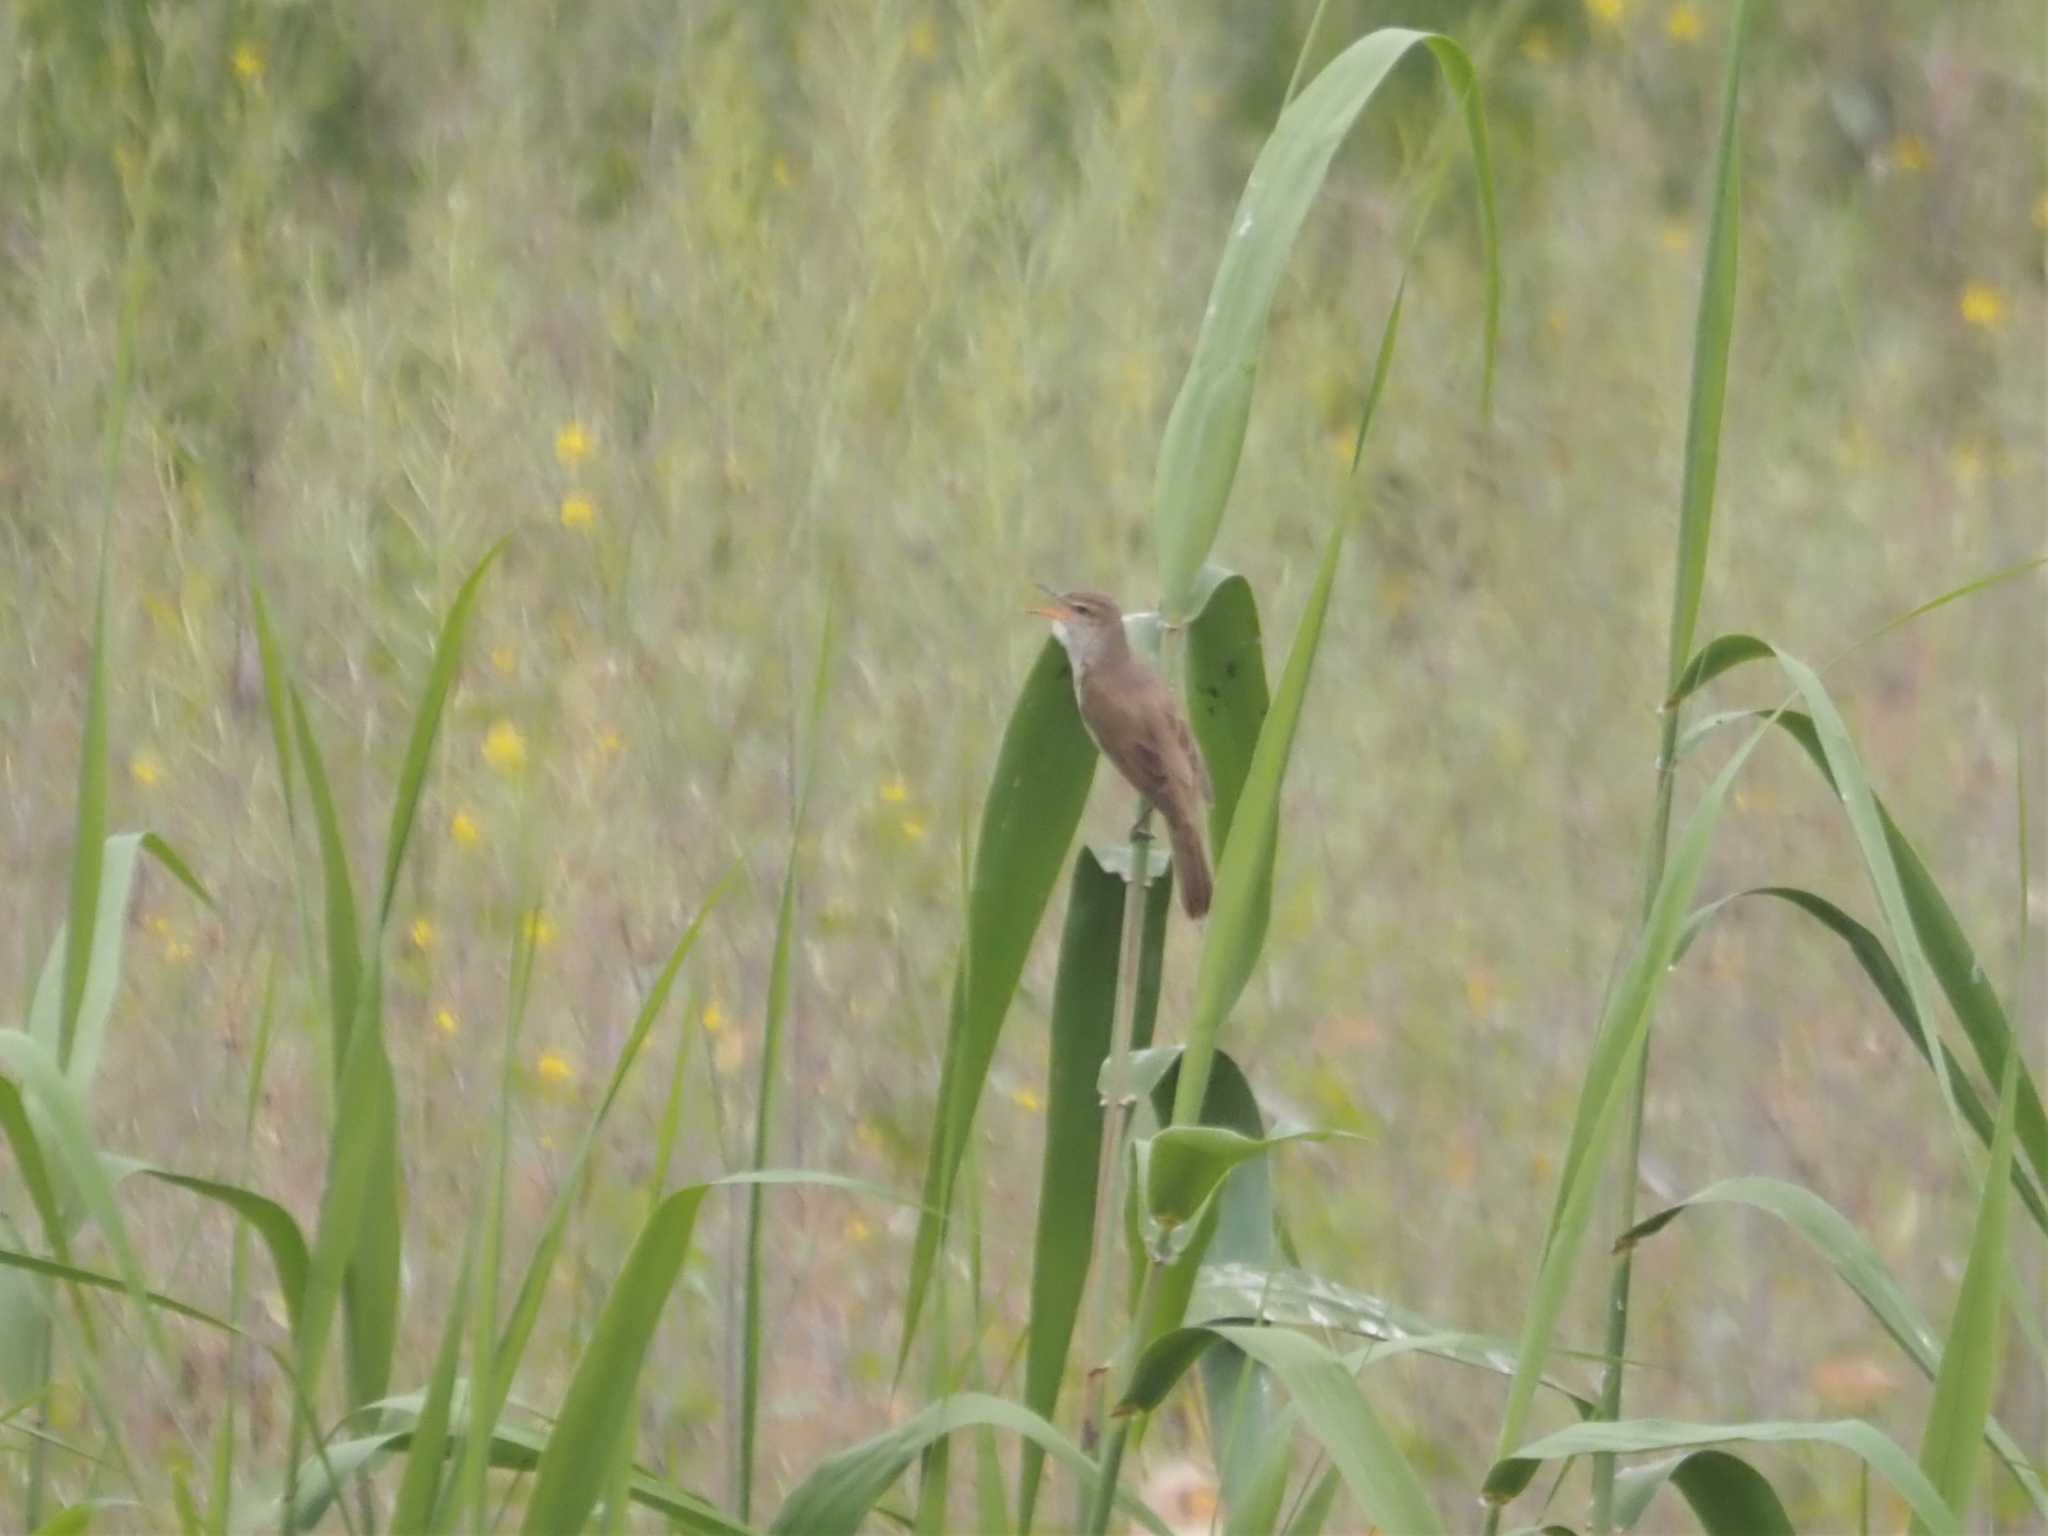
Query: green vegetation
[[605, 451]]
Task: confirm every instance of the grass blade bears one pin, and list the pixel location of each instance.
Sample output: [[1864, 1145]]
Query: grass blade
[[1624, 1027], [1204, 436], [1036, 795], [1713, 333], [769, 1091], [414, 1508], [595, 1413], [511, 1344], [89, 832], [426, 725], [1952, 1443], [597, 1409]]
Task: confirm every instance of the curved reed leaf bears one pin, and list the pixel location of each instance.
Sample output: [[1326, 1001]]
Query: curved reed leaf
[[1331, 1404], [1183, 1166], [67, 1131], [1837, 1240], [1728, 1496], [1511, 1474], [1950, 1447], [1294, 1298], [1877, 964], [1198, 455], [1943, 946], [840, 1491], [270, 1221], [1036, 796]]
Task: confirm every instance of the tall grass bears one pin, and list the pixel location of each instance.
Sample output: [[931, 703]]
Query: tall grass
[[1157, 1208]]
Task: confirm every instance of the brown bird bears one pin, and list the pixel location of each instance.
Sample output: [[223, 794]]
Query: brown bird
[[1140, 727]]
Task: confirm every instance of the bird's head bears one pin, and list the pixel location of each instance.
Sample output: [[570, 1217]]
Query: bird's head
[[1086, 623]]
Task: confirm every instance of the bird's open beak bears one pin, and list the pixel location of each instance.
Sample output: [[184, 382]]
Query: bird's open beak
[[1056, 610]]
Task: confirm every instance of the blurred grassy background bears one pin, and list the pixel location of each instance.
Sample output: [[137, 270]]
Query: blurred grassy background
[[720, 307]]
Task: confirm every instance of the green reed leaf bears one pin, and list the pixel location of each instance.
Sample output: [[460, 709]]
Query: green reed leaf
[[1204, 438]]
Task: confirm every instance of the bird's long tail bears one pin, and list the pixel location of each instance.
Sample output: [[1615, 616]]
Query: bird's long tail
[[1190, 864]]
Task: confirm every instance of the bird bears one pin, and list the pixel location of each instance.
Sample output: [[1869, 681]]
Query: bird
[[1139, 725]]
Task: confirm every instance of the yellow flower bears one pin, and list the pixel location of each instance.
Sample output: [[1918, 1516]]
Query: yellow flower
[[924, 41], [1683, 24], [423, 933], [610, 742], [572, 445], [1676, 236], [446, 1022], [1609, 12], [537, 930], [913, 829], [504, 747], [1968, 461], [247, 62], [554, 1069], [463, 828], [894, 790], [145, 769], [503, 658], [1480, 989], [2041, 212], [1910, 152], [1537, 47], [784, 174], [857, 1230], [1028, 1101], [1983, 306], [578, 511], [177, 952], [714, 1019]]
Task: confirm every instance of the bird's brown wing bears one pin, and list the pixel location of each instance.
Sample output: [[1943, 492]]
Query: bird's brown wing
[[1193, 749]]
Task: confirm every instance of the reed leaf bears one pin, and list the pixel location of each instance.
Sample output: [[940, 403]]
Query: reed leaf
[[1331, 1405], [1624, 1028], [1083, 1012], [1204, 436], [840, 1491], [1511, 1474], [1036, 795], [1856, 1262], [1727, 1495], [1950, 1447], [418, 1489]]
